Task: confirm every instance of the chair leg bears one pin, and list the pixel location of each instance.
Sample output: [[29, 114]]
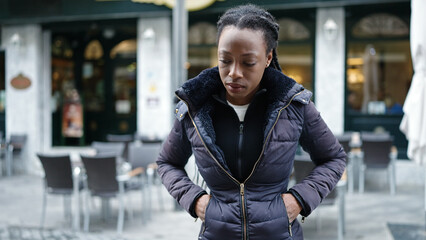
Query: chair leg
[[120, 221], [43, 209], [350, 176], [67, 207], [106, 209], [144, 202], [9, 155], [362, 169], [318, 219], [130, 208], [149, 195], [392, 179], [160, 196], [341, 218], [86, 212]]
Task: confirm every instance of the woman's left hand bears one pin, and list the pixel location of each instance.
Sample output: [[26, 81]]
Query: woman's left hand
[[292, 205]]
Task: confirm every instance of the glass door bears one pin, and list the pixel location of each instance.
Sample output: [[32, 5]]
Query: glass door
[[123, 114], [2, 95]]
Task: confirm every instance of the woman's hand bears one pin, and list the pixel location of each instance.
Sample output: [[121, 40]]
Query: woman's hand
[[201, 205], [292, 205]]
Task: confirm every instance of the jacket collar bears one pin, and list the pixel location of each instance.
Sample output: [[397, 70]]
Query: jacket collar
[[197, 91]]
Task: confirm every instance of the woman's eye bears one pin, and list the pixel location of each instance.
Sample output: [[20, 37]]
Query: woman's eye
[[249, 64], [224, 61]]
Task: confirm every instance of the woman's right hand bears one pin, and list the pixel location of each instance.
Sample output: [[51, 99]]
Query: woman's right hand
[[201, 205]]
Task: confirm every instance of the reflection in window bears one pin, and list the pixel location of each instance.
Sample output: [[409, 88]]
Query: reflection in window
[[93, 86], [63, 79], [378, 76], [61, 48], [93, 51], [296, 62], [202, 33], [125, 49], [125, 88], [200, 58], [379, 71], [2, 84], [291, 29], [380, 25]]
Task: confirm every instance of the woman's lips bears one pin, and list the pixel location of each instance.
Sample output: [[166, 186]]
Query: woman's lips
[[234, 87]]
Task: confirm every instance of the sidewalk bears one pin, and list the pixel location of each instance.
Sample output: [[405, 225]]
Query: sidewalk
[[368, 216]]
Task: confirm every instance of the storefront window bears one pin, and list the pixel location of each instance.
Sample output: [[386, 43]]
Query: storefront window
[[125, 49], [93, 77], [125, 88], [202, 50], [2, 94], [63, 79], [2, 82], [296, 62], [379, 67], [295, 53]]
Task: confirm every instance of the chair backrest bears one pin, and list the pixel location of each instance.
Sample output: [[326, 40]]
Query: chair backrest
[[101, 173], [120, 137], [375, 135], [58, 171], [141, 155], [344, 140], [17, 141], [109, 148], [376, 150], [302, 167], [123, 138], [148, 139]]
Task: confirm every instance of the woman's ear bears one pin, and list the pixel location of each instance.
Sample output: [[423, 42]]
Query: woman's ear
[[269, 58]]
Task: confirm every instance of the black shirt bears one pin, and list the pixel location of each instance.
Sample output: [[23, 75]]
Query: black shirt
[[241, 142]]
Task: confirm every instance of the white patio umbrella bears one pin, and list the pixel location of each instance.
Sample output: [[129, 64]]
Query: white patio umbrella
[[413, 124]]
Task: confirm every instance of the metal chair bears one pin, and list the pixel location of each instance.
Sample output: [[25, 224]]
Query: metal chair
[[144, 156], [104, 182], [123, 138], [109, 148], [302, 167], [60, 180], [377, 154], [15, 145], [345, 140]]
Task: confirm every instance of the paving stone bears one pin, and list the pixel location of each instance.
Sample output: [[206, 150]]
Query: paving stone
[[368, 216]]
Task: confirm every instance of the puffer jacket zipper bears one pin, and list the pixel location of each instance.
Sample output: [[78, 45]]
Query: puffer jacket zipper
[[241, 185], [240, 151]]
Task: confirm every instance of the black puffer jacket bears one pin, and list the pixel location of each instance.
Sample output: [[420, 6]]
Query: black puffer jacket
[[252, 209]]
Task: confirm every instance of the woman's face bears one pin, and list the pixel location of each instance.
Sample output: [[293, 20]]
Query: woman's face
[[242, 61]]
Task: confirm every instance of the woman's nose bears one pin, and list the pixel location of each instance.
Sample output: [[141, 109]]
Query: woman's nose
[[235, 72]]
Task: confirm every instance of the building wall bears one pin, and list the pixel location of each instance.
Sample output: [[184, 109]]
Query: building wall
[[330, 67], [154, 77], [23, 45]]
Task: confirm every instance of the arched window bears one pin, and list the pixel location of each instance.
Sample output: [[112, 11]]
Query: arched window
[[291, 29], [379, 68], [125, 49], [94, 50], [202, 47], [295, 51], [380, 25], [202, 33]]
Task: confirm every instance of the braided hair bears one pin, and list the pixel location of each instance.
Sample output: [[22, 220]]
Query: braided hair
[[255, 18]]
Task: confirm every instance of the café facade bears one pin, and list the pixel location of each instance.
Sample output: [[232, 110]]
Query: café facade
[[73, 71]]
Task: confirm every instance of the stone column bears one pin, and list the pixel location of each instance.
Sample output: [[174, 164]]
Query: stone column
[[154, 77], [330, 66], [24, 107]]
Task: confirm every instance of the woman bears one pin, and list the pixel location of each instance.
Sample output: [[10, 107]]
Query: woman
[[243, 121]]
